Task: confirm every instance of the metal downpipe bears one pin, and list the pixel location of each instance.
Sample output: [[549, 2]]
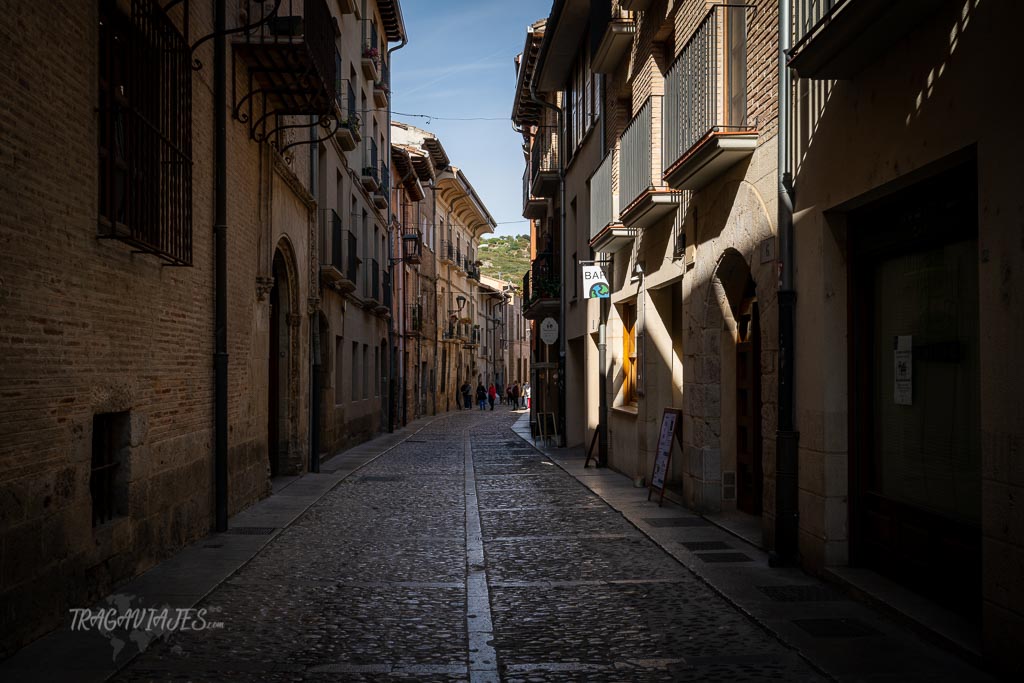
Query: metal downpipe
[[787, 505], [220, 458], [391, 268]]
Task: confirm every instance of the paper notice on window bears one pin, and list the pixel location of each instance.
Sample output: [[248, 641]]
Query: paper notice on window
[[903, 360]]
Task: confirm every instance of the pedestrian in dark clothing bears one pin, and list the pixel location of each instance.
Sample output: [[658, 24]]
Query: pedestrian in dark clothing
[[481, 396], [466, 392], [492, 395], [508, 395], [515, 395]]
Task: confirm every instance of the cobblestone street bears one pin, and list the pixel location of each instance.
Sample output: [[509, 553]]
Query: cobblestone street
[[463, 553]]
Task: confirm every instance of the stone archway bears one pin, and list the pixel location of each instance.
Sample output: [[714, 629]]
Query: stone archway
[[283, 456], [731, 344]]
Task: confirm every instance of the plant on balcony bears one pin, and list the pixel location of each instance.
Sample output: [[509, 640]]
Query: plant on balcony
[[352, 123], [544, 287], [372, 53], [381, 85]]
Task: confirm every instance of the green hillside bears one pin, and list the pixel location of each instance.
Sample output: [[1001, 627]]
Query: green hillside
[[505, 257]]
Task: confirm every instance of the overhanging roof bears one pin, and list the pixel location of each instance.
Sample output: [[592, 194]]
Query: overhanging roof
[[524, 110], [394, 24], [565, 29]]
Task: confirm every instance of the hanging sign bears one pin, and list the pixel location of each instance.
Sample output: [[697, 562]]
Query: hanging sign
[[549, 331], [595, 284]]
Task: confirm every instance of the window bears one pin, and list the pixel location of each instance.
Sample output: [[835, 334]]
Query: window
[[584, 99], [339, 377], [110, 442], [629, 359], [366, 371], [145, 131], [355, 371]]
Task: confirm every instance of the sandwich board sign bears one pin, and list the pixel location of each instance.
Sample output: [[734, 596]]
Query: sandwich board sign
[[595, 284], [671, 430]]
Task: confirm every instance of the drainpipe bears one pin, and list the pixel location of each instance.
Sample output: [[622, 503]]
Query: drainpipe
[[391, 267], [316, 362], [220, 458], [562, 303], [787, 438]]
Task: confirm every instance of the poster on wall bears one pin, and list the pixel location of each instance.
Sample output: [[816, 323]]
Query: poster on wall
[[903, 370]]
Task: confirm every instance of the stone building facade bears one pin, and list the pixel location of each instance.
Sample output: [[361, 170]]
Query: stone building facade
[[873, 440], [108, 287], [439, 328]]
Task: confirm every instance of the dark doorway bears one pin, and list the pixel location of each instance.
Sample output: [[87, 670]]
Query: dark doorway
[[749, 469], [277, 364], [915, 466]]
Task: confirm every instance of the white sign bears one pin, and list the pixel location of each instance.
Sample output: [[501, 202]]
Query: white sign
[[595, 284], [903, 370], [661, 456], [549, 331]]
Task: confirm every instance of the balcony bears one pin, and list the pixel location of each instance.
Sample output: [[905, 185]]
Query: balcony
[[541, 288], [371, 285], [414, 326], [380, 195], [291, 61], [544, 162], [836, 39], [473, 271], [384, 308], [371, 59], [370, 174], [607, 233], [534, 208], [447, 253], [347, 135], [643, 202], [382, 88], [333, 271], [616, 41], [704, 126], [470, 337]]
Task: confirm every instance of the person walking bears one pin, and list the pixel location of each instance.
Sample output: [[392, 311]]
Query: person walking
[[515, 395], [466, 391], [492, 394], [481, 396], [526, 394], [508, 395]]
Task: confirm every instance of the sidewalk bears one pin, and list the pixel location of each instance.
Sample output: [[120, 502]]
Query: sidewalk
[[844, 638], [184, 579]]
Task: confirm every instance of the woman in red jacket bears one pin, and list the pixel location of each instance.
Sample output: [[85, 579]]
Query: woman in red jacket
[[492, 395]]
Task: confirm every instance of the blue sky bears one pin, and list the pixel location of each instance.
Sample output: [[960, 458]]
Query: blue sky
[[459, 64]]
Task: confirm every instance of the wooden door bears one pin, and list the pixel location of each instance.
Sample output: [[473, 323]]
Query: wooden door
[[749, 470]]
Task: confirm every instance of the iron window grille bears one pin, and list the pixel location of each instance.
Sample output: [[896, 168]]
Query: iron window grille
[[145, 131]]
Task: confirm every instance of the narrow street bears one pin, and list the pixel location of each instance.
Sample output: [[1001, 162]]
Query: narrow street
[[465, 554]]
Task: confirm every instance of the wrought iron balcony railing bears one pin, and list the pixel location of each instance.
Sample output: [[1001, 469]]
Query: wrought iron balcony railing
[[706, 87], [374, 288], [291, 55], [414, 323], [635, 164], [544, 161], [352, 257], [604, 209]]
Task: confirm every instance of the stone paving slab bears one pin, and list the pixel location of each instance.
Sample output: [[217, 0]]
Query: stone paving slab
[[885, 651], [184, 579]]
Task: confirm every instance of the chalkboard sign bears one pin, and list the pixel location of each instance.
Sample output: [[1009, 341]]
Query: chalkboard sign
[[671, 430]]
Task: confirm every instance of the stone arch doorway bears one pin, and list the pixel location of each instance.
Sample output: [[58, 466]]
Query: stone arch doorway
[[735, 309], [279, 362]]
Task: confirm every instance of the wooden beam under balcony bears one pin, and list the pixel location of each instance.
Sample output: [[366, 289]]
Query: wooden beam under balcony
[[713, 154]]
